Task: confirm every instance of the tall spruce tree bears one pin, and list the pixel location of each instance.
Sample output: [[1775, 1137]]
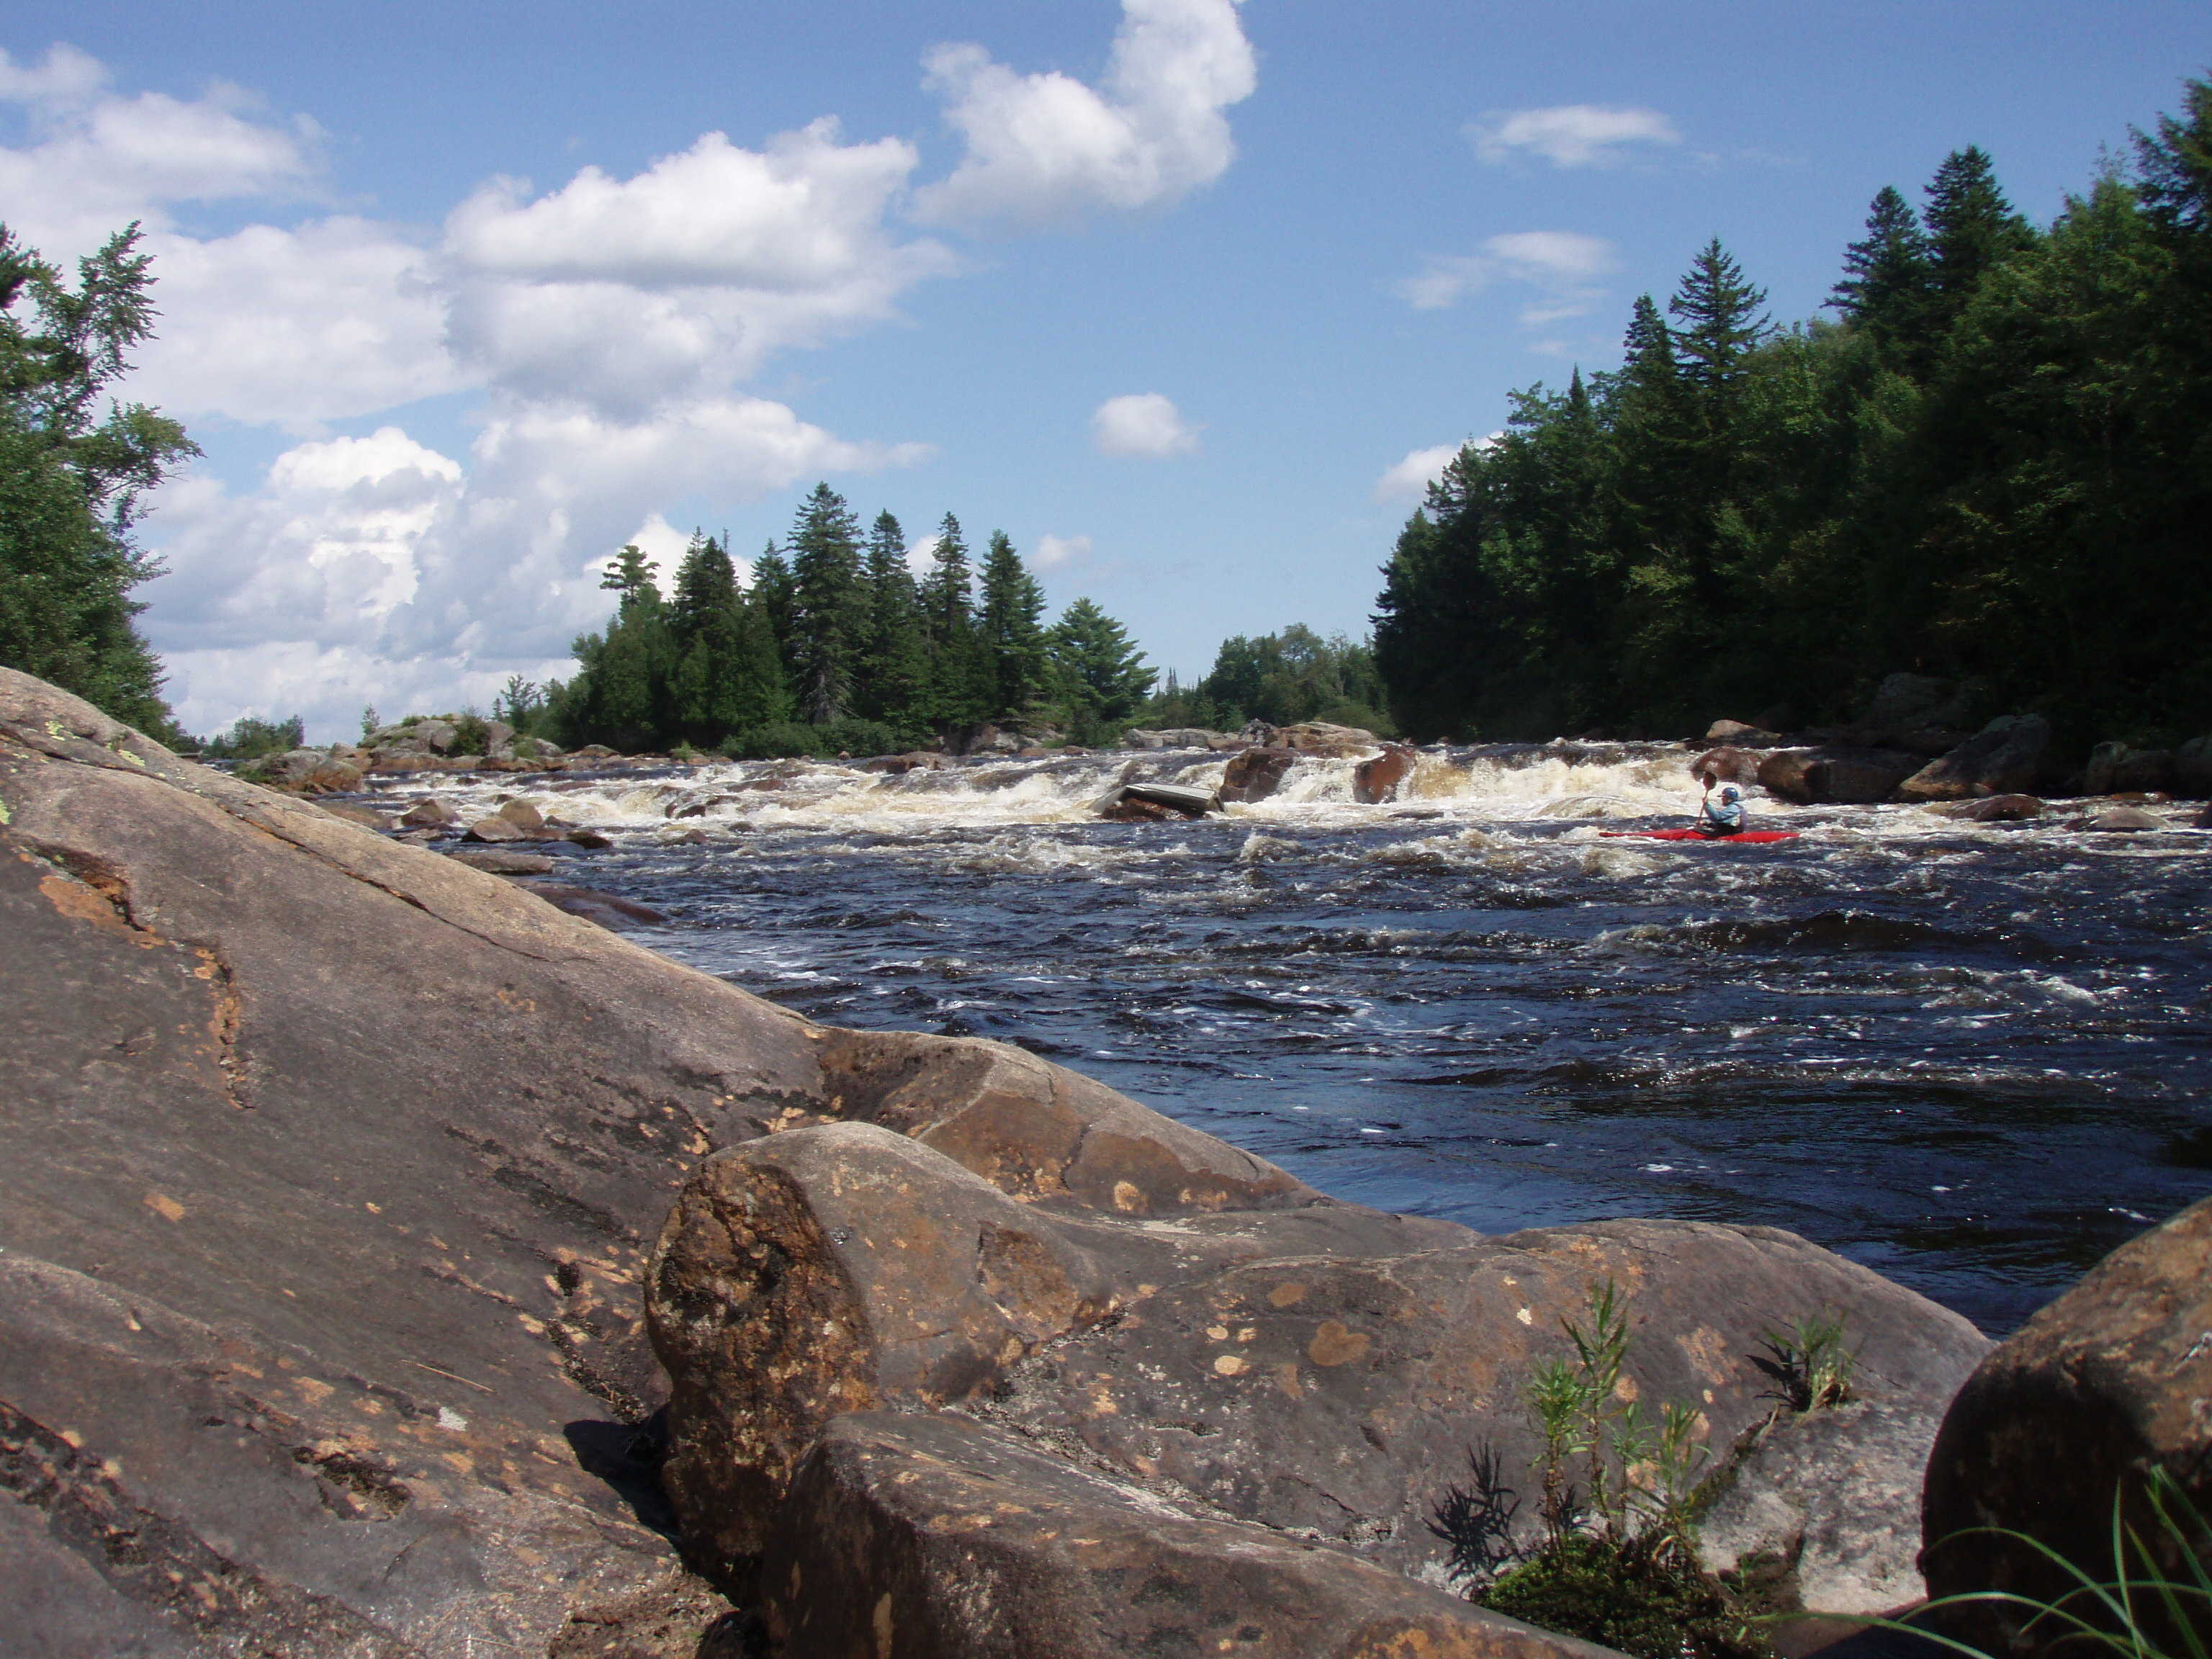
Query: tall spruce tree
[[621, 695], [893, 677], [775, 596], [1971, 228], [71, 477], [1719, 322], [958, 693], [1011, 624], [1887, 273], [706, 625], [829, 606]]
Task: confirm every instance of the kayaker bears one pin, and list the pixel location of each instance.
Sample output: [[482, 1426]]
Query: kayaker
[[1721, 814]]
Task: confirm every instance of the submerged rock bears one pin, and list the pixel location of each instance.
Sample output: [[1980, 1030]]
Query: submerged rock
[[1990, 808]]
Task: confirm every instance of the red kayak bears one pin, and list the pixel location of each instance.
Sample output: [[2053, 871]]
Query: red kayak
[[1692, 835]]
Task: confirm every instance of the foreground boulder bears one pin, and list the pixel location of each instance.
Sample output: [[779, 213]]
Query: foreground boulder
[[331, 1164], [2114, 1375], [939, 1538], [2002, 758]]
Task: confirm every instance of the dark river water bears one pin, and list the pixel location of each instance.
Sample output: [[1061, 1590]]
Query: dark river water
[[1975, 1058]]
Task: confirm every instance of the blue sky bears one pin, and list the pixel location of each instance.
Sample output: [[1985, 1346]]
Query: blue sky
[[1178, 293]]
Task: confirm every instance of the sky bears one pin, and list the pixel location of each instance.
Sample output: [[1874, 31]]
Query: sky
[[1188, 297]]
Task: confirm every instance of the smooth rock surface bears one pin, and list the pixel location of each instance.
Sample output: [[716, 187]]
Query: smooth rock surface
[[2113, 1378], [1379, 779], [2002, 758], [1836, 775], [937, 1538], [1253, 774]]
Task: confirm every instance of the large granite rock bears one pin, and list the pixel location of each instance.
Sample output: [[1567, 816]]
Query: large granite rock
[[2002, 758], [2113, 1379], [1253, 774], [1379, 779], [1836, 775], [331, 1166], [937, 1538]]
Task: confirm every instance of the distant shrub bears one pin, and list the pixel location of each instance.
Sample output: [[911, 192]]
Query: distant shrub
[[791, 740], [252, 738], [471, 736]]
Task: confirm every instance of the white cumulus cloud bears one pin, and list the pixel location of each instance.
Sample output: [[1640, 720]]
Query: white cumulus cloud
[[1053, 551], [1569, 135], [1146, 424], [1562, 265], [1409, 480], [1046, 147]]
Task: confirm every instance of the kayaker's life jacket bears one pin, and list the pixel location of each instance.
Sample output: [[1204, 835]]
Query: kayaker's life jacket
[[1722, 814]]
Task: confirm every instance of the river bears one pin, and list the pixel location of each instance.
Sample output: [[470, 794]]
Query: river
[[1975, 1058]]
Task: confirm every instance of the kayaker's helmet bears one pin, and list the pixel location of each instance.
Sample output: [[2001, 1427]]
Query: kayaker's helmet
[[1730, 794]]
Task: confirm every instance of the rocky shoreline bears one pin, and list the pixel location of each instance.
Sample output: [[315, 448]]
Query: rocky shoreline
[[394, 1265]]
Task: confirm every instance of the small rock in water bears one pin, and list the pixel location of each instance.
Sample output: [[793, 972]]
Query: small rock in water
[[522, 815], [609, 911], [1991, 809], [367, 817], [500, 862], [592, 841], [429, 814], [2122, 819], [497, 828]]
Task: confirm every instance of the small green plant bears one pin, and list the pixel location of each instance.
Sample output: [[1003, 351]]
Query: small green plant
[[1617, 1562], [1811, 1362], [252, 738]]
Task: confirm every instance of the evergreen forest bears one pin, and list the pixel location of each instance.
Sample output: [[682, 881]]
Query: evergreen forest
[[834, 646], [1994, 464]]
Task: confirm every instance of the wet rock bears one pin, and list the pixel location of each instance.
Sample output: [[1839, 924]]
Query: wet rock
[[2114, 768], [499, 828], [1725, 765], [937, 1538], [605, 910], [919, 760], [1343, 1396], [1990, 808], [1137, 801], [592, 841], [499, 861], [1180, 737], [1253, 774], [306, 771], [430, 813], [2115, 1374], [1321, 738], [1830, 1498], [2002, 758], [1836, 775], [1734, 734], [2121, 820], [333, 1166], [1374, 781], [2192, 768], [523, 815]]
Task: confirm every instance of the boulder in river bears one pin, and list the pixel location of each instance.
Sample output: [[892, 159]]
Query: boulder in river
[[430, 813], [501, 861], [1379, 779], [1137, 802], [497, 827], [307, 771], [1990, 808], [2107, 1382], [1253, 774], [1836, 775], [1179, 737], [1735, 734], [1320, 738], [2002, 758], [1725, 765], [2192, 768], [2121, 820], [2114, 768]]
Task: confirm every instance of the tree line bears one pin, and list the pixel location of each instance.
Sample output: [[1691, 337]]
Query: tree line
[[1994, 465], [835, 646]]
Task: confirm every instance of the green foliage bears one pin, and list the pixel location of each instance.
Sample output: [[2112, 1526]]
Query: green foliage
[[829, 606], [253, 738], [1286, 677], [1814, 1366], [472, 734], [1993, 469], [1103, 678], [1617, 1560], [1011, 627], [71, 477], [793, 739]]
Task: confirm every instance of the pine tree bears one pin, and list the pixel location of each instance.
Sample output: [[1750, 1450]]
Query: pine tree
[[621, 694], [774, 593], [1720, 321], [1101, 673], [829, 620], [706, 624], [1887, 273], [893, 676], [1971, 228], [71, 479], [957, 693], [1011, 628]]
